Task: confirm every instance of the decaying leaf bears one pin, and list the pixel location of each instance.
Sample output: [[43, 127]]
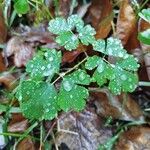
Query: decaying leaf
[[8, 80], [143, 25], [26, 144], [2, 66], [126, 21], [18, 123], [3, 28], [117, 107], [22, 51], [85, 131], [100, 16], [64, 7], [137, 138], [3, 34]]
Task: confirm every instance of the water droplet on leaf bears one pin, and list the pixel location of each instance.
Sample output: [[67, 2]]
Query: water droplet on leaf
[[68, 85]]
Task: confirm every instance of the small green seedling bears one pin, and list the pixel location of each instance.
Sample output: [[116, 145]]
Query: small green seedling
[[38, 96]]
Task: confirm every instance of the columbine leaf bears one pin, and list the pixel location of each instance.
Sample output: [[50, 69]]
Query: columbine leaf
[[58, 25], [112, 48], [129, 63], [21, 6], [75, 21], [37, 100], [115, 48], [145, 14], [99, 46], [123, 81], [68, 40], [103, 73], [73, 98], [144, 37], [86, 35], [44, 64], [92, 62], [79, 77], [71, 95]]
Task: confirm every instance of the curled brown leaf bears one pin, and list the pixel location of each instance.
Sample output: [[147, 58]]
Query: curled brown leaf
[[126, 21]]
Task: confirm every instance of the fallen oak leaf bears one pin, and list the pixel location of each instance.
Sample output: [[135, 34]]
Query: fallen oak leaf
[[126, 21]]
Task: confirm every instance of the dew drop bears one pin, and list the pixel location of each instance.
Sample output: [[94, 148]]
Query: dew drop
[[82, 76], [51, 59], [123, 77], [47, 110], [43, 68], [71, 96], [68, 85], [49, 66], [100, 68]]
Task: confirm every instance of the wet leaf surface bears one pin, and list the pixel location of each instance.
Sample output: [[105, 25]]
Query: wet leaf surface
[[85, 130]]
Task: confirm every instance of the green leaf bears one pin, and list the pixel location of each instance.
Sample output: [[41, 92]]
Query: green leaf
[[145, 14], [38, 100], [58, 25], [103, 73], [74, 98], [130, 63], [99, 46], [75, 21], [86, 35], [79, 77], [92, 62], [68, 40], [144, 37], [71, 95], [44, 64], [21, 6], [123, 81], [113, 47]]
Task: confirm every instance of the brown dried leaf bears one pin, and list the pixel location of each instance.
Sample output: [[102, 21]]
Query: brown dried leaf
[[8, 80], [126, 21], [100, 16], [26, 144], [85, 131], [22, 51], [64, 7], [117, 107], [69, 57], [3, 28], [3, 34], [137, 138], [18, 123], [2, 66], [143, 25]]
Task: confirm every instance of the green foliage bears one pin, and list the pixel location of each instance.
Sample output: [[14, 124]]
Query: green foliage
[[37, 99], [63, 28], [144, 36], [21, 6], [38, 96], [44, 64], [112, 47], [145, 14]]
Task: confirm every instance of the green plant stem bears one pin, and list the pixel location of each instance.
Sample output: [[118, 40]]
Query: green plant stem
[[143, 83], [146, 1], [64, 73]]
